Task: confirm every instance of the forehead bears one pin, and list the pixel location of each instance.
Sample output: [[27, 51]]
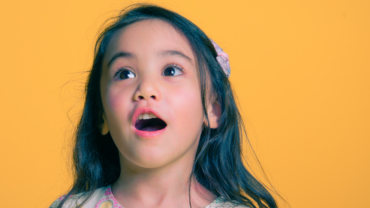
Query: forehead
[[147, 36]]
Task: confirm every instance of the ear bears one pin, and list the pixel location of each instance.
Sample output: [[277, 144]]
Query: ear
[[104, 127], [214, 114]]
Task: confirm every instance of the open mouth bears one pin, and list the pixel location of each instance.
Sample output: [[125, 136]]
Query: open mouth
[[149, 122]]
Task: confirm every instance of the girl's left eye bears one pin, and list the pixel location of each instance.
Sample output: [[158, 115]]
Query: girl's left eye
[[172, 70]]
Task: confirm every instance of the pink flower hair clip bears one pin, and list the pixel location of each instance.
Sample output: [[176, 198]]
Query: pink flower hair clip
[[222, 59]]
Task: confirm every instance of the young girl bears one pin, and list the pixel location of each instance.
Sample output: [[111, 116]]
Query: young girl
[[160, 127]]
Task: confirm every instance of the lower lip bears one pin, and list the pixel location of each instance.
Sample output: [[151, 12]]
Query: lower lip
[[148, 134]]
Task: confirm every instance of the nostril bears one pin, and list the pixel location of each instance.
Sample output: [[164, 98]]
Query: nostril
[[140, 97]]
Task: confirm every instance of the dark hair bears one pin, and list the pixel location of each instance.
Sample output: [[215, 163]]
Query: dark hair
[[218, 165]]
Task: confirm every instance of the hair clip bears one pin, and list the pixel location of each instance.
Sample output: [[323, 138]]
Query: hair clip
[[222, 59]]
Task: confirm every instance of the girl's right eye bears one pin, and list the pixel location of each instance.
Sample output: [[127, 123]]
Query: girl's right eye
[[124, 74]]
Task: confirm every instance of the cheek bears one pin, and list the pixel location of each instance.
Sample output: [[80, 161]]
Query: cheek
[[117, 106], [110, 96], [116, 99], [188, 109]]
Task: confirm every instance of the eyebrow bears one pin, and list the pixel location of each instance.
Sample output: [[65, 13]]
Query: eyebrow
[[119, 55], [123, 54], [175, 53]]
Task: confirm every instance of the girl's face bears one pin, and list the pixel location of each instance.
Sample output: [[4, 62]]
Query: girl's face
[[150, 69]]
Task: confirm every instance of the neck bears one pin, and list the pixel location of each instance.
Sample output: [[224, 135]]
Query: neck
[[160, 187]]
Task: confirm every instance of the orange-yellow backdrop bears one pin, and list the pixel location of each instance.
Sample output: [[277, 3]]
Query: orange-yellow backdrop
[[301, 71]]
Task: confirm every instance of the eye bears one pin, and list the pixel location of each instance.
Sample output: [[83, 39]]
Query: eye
[[172, 70], [124, 74]]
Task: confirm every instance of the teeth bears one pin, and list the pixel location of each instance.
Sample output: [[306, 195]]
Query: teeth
[[145, 116]]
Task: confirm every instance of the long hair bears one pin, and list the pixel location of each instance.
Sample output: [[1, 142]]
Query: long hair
[[218, 164]]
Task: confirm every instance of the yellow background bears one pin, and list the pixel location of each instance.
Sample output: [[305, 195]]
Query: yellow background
[[300, 69]]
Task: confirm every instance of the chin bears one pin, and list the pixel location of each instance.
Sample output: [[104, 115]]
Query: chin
[[147, 161]]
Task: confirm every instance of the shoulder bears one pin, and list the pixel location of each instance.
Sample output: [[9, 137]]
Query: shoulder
[[75, 200], [223, 203]]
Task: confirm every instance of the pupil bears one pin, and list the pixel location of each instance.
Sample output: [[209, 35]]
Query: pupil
[[124, 75], [169, 71]]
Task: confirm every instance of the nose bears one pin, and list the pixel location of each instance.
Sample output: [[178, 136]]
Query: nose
[[147, 90]]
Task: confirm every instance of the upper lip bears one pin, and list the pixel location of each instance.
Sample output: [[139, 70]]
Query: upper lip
[[139, 111]]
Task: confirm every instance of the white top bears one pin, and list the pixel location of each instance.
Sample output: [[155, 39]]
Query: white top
[[103, 198]]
